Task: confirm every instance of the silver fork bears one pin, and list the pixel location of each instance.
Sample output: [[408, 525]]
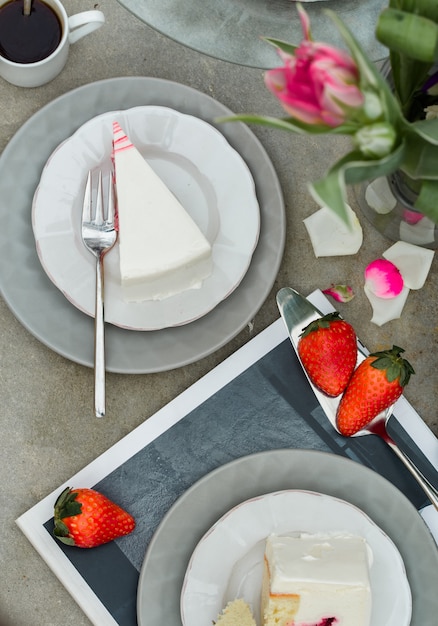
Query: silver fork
[[99, 236]]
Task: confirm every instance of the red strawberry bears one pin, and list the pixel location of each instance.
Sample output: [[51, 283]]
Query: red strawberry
[[328, 352], [85, 518], [376, 384]]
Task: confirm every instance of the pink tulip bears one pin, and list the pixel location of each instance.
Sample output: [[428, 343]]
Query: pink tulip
[[318, 84]]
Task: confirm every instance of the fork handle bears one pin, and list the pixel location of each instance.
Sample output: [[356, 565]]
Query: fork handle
[[99, 343], [428, 489]]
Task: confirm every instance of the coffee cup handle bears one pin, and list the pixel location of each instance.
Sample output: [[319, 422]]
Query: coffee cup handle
[[83, 24]]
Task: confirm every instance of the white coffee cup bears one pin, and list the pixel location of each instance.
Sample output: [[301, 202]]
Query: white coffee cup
[[41, 72]]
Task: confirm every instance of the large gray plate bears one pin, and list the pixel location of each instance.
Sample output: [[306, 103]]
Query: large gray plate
[[231, 30], [162, 574], [43, 309]]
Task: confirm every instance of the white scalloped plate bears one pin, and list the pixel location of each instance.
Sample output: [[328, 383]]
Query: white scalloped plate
[[207, 175], [227, 562]]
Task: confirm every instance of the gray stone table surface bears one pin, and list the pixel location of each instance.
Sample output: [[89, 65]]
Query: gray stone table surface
[[48, 430]]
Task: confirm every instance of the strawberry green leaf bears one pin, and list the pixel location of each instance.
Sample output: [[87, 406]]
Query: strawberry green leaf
[[67, 540], [60, 529], [321, 322], [393, 372], [66, 505], [394, 365], [382, 363], [70, 508]]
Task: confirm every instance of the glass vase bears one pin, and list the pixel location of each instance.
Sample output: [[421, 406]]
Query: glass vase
[[388, 203]]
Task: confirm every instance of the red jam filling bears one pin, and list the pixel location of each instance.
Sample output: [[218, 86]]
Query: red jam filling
[[326, 621]]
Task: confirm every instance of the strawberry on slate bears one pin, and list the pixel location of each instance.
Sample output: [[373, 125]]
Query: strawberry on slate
[[376, 384], [328, 351], [86, 518]]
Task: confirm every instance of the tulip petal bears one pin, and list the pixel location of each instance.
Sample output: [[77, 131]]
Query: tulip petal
[[419, 230], [340, 293], [305, 21], [413, 262], [383, 279], [331, 236], [386, 310], [378, 196]]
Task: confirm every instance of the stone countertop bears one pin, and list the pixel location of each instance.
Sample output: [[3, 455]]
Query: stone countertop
[[48, 428]]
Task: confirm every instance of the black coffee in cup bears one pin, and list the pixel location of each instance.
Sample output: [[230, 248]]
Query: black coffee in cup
[[28, 38]]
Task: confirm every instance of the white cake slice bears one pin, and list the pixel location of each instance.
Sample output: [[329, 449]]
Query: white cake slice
[[162, 250], [321, 580]]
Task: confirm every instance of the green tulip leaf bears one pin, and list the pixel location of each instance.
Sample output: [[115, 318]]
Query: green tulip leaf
[[425, 130], [410, 34], [290, 124], [330, 191], [421, 154], [427, 199], [370, 77], [408, 71], [289, 48], [410, 30], [426, 8]]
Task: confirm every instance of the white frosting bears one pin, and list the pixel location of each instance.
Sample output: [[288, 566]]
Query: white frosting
[[329, 573], [162, 250]]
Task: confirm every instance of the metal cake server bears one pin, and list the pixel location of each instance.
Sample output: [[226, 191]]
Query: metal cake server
[[297, 312]]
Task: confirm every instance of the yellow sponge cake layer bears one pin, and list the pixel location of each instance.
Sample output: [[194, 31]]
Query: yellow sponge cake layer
[[236, 613]]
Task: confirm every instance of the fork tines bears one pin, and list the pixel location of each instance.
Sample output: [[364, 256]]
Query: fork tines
[[87, 208]]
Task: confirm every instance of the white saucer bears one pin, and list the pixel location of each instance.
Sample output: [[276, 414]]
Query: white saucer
[[208, 176], [227, 563]]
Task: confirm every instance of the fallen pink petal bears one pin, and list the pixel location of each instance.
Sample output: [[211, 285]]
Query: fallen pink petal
[[383, 279], [340, 293]]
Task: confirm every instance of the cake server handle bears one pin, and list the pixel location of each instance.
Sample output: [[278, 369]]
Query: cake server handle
[[427, 487]]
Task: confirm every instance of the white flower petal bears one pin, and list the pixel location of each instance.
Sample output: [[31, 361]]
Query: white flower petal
[[413, 262], [379, 196], [330, 236], [386, 310], [422, 232]]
